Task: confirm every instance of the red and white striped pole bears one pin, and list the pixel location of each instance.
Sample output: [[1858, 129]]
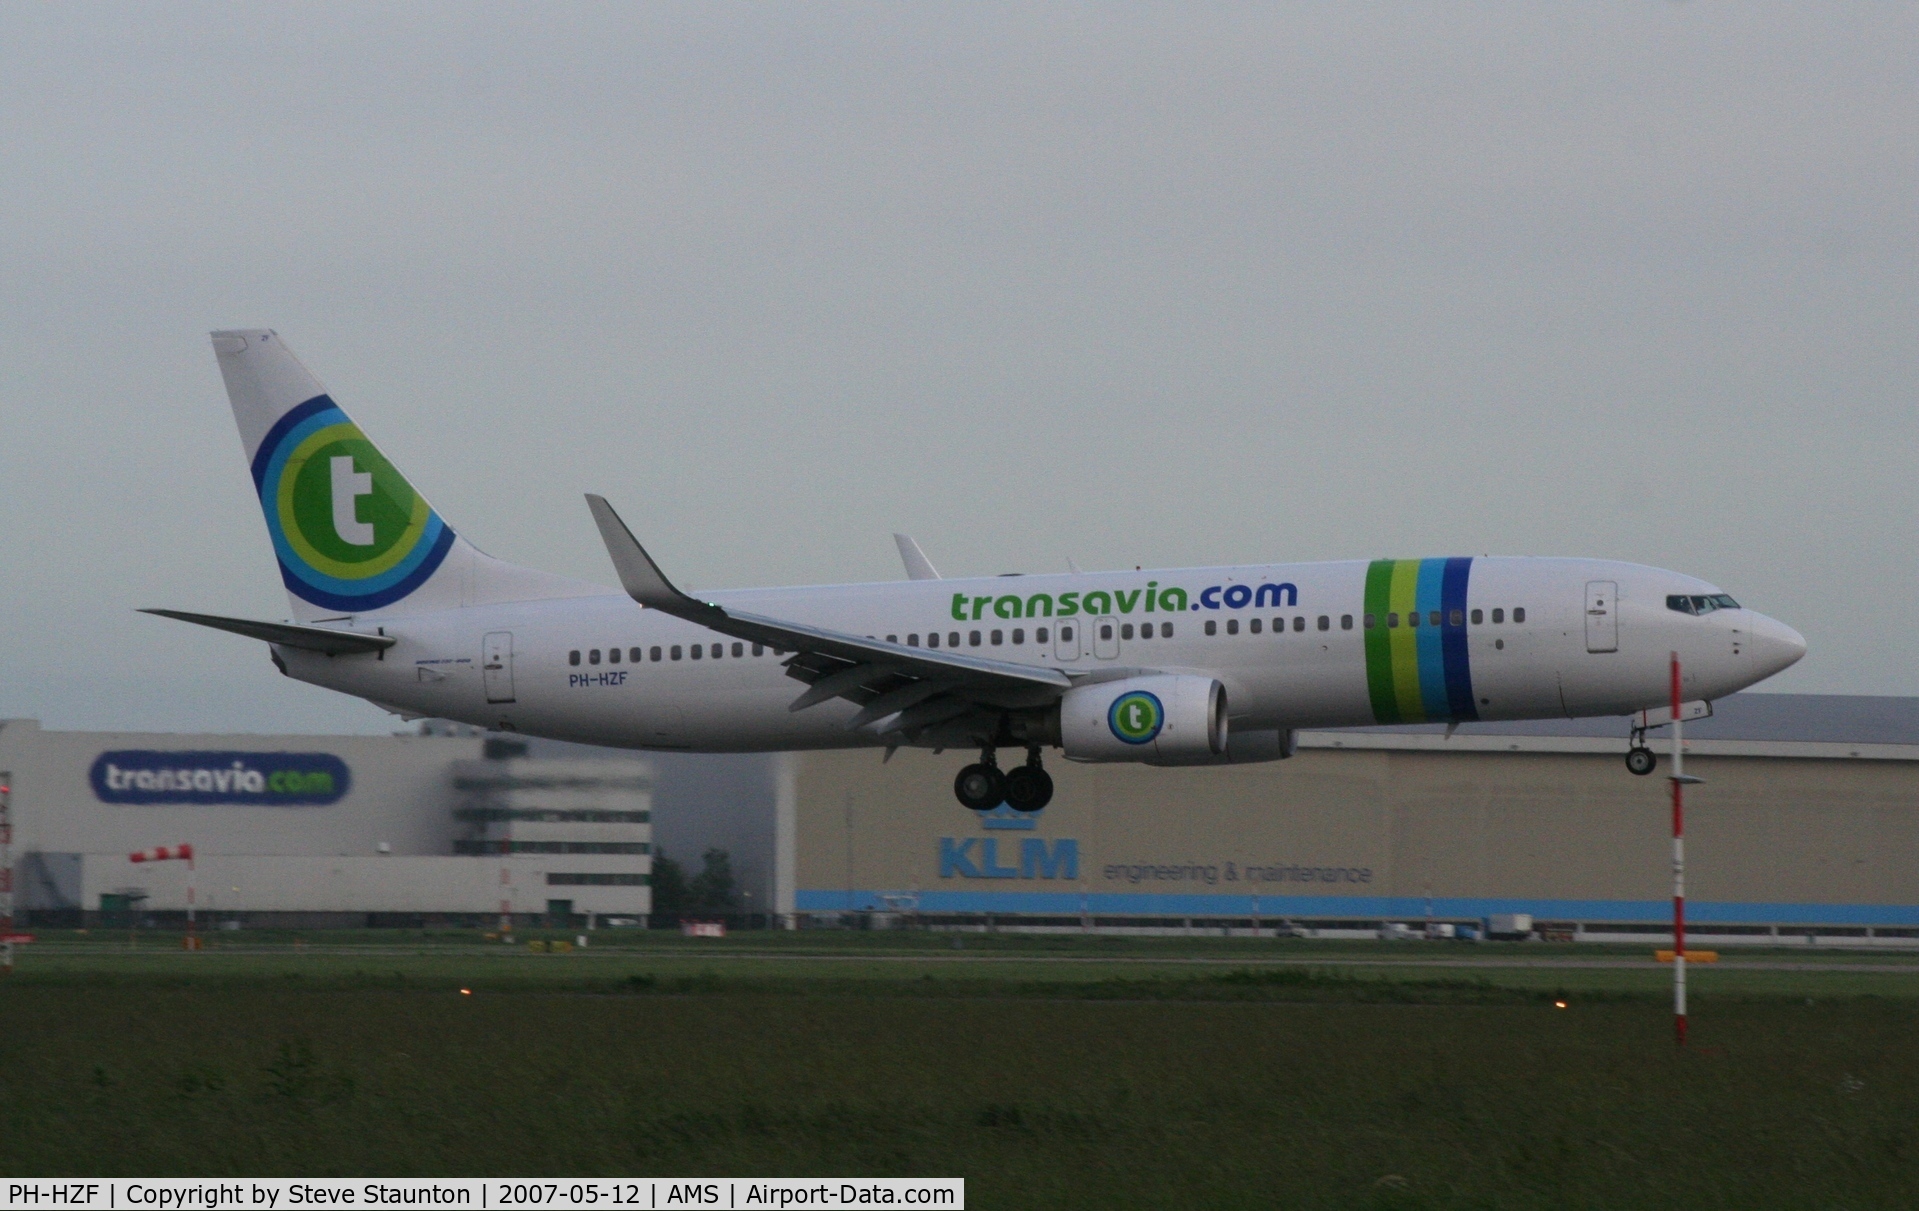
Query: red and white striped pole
[[1679, 781]]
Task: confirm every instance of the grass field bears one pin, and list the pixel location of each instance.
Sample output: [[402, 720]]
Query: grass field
[[1049, 1072]]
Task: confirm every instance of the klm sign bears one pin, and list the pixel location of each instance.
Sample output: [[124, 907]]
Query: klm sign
[[980, 858]]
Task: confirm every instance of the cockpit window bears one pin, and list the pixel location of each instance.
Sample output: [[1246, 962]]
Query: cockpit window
[[1700, 604]]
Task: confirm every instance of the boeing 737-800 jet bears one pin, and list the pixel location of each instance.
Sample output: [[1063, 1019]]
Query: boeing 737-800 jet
[[1180, 666]]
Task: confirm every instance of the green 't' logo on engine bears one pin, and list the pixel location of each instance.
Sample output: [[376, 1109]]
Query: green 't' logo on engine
[[1136, 717]]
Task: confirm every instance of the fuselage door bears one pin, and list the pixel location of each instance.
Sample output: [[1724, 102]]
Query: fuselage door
[[1602, 616], [1066, 639], [1105, 637], [496, 664]]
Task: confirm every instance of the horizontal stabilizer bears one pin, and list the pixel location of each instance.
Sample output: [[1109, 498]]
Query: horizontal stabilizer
[[287, 634]]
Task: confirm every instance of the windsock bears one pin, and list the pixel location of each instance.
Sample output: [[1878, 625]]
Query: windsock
[[163, 854]]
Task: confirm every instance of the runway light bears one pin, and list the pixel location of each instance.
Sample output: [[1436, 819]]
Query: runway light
[[466, 992], [1559, 1004]]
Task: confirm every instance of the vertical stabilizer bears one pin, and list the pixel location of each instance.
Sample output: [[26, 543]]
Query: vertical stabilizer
[[349, 531]]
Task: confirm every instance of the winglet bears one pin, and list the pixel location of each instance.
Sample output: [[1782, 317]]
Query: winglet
[[639, 575], [918, 567]]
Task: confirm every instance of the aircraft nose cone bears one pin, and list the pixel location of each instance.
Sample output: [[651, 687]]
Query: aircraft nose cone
[[1775, 646]]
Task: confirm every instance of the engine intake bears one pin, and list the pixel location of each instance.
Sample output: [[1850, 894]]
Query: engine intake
[[1167, 717]]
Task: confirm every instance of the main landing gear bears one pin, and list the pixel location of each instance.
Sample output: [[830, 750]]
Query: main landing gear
[[1640, 759], [983, 787]]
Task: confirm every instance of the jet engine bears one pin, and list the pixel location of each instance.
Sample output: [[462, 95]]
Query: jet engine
[[1168, 717]]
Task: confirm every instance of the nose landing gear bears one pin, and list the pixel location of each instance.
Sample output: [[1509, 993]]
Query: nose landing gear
[[1640, 759], [982, 787]]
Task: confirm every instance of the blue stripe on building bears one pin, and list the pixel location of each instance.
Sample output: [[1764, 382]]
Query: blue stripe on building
[[1127, 904]]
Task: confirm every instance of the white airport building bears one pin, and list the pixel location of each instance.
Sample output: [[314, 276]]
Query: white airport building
[[1806, 828], [317, 830]]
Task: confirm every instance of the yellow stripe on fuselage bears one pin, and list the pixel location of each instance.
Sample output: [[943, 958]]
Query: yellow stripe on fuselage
[[1403, 599]]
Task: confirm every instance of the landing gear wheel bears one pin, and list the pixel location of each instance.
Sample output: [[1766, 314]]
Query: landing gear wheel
[[1028, 788], [1641, 761], [980, 787]]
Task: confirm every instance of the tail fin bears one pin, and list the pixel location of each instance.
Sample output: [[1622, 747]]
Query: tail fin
[[351, 534]]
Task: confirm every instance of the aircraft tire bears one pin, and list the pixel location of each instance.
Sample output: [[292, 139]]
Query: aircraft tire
[[1028, 788], [1641, 761], [980, 787]]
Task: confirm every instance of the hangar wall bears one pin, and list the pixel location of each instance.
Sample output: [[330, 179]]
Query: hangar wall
[[1368, 826], [319, 826]]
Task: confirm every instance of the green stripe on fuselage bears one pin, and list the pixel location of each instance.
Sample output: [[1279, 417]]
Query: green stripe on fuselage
[[1379, 652]]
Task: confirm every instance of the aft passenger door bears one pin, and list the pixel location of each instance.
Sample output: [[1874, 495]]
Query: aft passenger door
[[496, 664], [1602, 616]]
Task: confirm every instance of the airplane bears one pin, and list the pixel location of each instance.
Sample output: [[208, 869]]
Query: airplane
[[1168, 667]]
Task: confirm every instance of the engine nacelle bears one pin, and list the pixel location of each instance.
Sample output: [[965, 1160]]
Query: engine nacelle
[[1167, 717]]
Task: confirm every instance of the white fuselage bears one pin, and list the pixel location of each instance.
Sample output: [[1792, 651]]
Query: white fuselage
[[1282, 666]]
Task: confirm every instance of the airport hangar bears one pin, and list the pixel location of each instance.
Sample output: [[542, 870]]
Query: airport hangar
[[1806, 827], [316, 831]]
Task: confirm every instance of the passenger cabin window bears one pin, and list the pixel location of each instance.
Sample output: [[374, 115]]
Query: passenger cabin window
[[1252, 627], [1345, 622], [573, 657], [1392, 620], [1412, 619], [1232, 626], [1299, 624], [889, 639], [1433, 617], [1105, 630], [698, 651], [676, 651], [1039, 635], [952, 639], [1126, 630], [933, 639], [912, 641], [653, 654], [758, 650], [1459, 618], [1519, 614], [1165, 630], [739, 649], [1499, 616], [999, 637], [1019, 635], [1325, 622], [1212, 628], [613, 656], [1479, 616], [635, 655], [973, 638], [1372, 620], [593, 657]]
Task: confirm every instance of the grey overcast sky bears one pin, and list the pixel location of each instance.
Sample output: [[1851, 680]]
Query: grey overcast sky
[[1130, 284]]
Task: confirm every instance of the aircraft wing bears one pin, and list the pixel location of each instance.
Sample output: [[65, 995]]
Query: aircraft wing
[[287, 634], [922, 686]]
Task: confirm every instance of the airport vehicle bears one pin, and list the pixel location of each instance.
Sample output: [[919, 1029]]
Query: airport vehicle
[[1177, 666]]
